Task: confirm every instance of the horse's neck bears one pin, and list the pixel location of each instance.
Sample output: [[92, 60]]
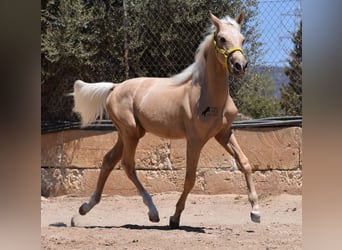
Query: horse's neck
[[214, 86]]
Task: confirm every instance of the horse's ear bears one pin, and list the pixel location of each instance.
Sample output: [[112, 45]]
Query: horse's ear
[[239, 18], [215, 20]]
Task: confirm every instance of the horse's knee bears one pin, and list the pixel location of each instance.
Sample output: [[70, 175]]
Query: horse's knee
[[245, 166], [232, 110]]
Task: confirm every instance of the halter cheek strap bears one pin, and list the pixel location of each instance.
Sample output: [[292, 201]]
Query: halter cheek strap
[[226, 54]]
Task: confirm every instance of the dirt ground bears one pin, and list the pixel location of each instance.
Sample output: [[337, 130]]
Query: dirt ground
[[208, 222]]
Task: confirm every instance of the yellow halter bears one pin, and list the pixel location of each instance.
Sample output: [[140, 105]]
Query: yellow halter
[[226, 54]]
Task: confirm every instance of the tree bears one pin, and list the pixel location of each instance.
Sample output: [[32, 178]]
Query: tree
[[164, 34], [83, 39], [256, 97], [76, 44], [291, 94]]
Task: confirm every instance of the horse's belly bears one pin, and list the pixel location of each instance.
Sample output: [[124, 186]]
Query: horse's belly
[[166, 127], [162, 121]]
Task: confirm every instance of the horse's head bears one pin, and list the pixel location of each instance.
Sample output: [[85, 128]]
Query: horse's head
[[228, 41]]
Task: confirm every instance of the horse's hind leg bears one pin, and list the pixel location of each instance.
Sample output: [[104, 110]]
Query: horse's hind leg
[[109, 161], [192, 156], [128, 163], [228, 141]]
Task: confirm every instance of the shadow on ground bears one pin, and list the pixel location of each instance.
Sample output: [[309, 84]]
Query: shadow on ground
[[140, 227]]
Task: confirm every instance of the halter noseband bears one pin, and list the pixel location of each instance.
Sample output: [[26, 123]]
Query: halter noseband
[[226, 54]]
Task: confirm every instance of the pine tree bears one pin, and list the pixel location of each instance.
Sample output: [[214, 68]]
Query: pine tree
[[291, 94]]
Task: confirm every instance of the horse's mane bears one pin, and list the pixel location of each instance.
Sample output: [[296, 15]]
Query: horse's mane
[[196, 70]]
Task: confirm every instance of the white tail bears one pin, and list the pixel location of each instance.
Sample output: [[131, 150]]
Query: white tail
[[90, 100]]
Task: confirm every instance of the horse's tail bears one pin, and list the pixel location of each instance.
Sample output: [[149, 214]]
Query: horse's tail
[[90, 100]]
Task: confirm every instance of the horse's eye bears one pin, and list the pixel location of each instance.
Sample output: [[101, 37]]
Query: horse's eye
[[222, 40]]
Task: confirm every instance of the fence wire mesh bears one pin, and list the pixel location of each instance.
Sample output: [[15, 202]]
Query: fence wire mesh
[[160, 38], [280, 19], [275, 22]]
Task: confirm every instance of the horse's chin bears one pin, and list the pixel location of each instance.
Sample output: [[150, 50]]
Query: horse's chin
[[239, 75], [236, 73]]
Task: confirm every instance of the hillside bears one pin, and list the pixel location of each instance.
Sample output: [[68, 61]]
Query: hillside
[[276, 73]]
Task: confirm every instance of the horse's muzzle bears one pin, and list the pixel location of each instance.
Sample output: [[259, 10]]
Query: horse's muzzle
[[239, 68]]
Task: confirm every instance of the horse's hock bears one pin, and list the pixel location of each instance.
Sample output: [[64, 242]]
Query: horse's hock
[[71, 162]]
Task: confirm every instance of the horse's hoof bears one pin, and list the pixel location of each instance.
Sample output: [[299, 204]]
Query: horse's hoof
[[174, 224], [82, 210], [255, 217], [153, 217]]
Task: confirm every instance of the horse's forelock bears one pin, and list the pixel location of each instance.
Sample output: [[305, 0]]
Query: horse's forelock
[[229, 20]]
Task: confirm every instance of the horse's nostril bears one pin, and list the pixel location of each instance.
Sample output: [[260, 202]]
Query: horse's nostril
[[237, 66], [244, 68]]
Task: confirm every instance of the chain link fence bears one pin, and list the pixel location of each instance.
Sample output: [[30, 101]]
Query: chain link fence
[[271, 27], [168, 35], [279, 22], [160, 38], [280, 19]]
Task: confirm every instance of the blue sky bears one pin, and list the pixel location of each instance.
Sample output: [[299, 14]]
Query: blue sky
[[278, 20]]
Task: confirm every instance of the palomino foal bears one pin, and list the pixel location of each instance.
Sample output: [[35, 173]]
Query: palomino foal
[[195, 105]]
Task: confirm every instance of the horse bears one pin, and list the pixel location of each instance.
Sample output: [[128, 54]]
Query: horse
[[194, 104]]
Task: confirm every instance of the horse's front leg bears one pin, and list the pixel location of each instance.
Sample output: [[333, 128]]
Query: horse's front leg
[[228, 141], [192, 156]]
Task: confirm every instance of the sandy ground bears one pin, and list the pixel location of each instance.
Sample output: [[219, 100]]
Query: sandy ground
[[208, 222]]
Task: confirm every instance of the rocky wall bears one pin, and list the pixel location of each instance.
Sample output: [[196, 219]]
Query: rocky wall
[[71, 161]]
